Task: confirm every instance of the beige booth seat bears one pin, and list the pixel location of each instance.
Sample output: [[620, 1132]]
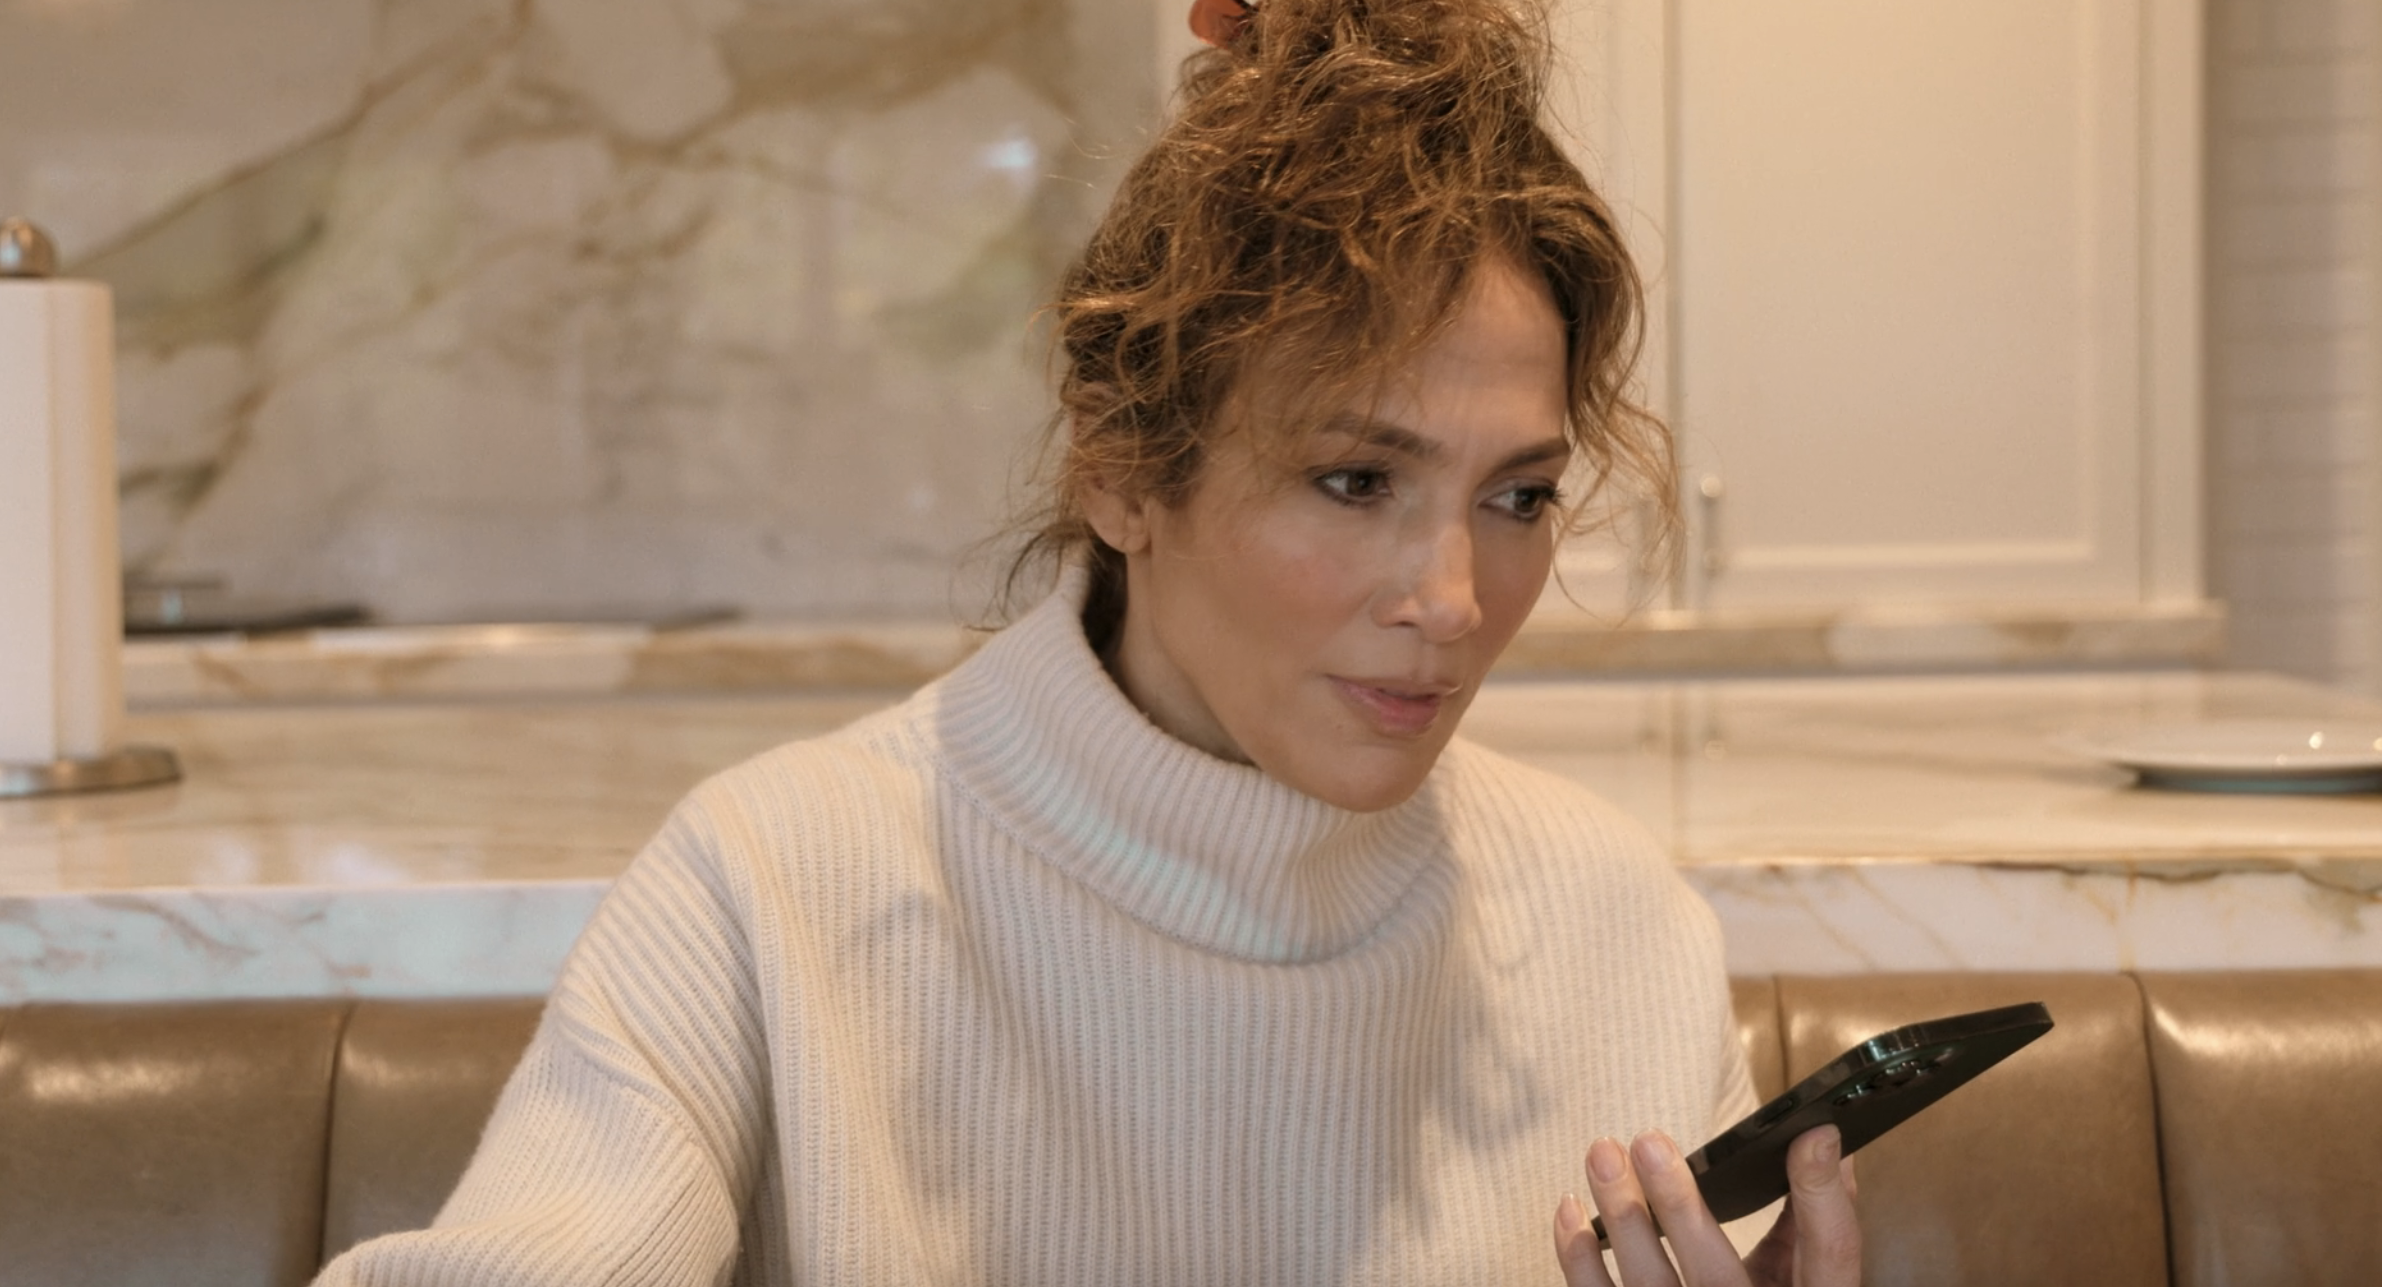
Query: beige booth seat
[[2203, 1130]]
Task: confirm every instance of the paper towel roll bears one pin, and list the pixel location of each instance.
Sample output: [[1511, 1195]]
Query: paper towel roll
[[61, 595]]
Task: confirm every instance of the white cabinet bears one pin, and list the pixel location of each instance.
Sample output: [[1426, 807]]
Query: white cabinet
[[1926, 282]]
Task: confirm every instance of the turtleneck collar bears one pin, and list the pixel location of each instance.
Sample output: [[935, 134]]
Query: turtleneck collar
[[1208, 852]]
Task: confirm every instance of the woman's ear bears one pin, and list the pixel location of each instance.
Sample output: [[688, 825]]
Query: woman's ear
[[1119, 518], [1117, 511]]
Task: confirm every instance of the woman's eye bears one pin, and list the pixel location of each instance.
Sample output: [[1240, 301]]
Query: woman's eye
[[1354, 486], [1528, 503]]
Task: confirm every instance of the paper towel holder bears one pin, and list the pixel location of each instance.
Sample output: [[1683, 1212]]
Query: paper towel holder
[[27, 252]]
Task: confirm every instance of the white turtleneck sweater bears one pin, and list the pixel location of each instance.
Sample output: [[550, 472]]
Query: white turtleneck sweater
[[1005, 985]]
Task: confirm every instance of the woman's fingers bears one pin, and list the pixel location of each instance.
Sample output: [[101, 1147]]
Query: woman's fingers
[[1575, 1246], [1706, 1257], [1827, 1229], [1629, 1224], [1772, 1263]]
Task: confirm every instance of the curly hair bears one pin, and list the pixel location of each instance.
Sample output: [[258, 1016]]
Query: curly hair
[[1328, 181]]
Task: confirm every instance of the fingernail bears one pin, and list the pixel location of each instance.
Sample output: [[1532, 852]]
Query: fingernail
[[1605, 1161], [1831, 1145], [1655, 1151], [1570, 1215]]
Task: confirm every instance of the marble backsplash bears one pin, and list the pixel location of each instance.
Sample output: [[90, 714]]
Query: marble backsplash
[[453, 306]]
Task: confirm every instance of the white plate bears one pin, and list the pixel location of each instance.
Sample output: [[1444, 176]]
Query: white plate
[[2247, 755]]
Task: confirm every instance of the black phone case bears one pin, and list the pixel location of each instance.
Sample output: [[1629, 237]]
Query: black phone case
[[1866, 1091]]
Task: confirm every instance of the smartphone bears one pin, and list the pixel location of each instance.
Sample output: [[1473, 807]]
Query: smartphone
[[1867, 1091]]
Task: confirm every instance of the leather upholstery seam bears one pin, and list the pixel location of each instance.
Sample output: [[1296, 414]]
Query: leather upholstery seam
[[322, 1206], [2158, 1121]]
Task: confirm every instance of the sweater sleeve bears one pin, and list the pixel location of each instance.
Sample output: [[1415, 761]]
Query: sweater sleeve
[[625, 1147]]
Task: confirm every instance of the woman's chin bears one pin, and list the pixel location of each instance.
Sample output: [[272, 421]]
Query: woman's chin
[[1360, 780]]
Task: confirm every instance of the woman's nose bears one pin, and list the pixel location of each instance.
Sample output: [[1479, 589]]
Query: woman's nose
[[1438, 598]]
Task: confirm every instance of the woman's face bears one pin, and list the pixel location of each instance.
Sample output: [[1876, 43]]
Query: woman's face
[[1326, 610]]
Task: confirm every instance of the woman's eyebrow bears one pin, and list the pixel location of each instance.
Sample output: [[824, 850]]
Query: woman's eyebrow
[[1370, 432], [1537, 454], [1389, 436]]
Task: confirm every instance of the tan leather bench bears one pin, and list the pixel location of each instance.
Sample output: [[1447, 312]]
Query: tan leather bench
[[2204, 1130]]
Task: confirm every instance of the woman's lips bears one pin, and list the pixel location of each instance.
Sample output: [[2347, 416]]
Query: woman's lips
[[1400, 710]]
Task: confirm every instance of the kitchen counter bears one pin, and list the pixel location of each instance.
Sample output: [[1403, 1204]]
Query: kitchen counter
[[527, 661], [1836, 824]]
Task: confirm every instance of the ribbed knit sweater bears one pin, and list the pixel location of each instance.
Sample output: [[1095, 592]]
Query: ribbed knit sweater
[[1006, 985]]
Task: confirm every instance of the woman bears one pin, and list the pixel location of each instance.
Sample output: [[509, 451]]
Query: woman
[[1173, 938]]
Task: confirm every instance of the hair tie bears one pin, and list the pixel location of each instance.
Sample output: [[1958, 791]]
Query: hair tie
[[1220, 22]]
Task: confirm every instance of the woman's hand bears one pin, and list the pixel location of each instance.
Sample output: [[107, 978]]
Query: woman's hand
[[1816, 1242]]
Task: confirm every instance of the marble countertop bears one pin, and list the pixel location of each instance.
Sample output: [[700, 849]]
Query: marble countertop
[[1835, 824], [442, 662]]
